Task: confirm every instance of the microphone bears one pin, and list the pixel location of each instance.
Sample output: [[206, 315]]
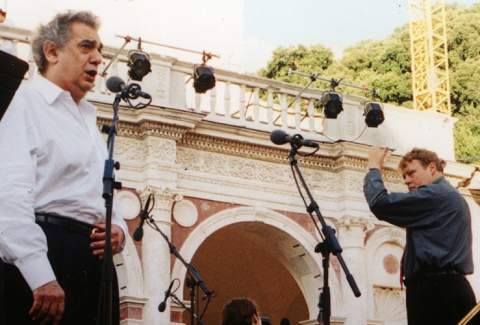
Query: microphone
[[131, 91], [163, 305], [280, 137], [116, 84], [144, 214]]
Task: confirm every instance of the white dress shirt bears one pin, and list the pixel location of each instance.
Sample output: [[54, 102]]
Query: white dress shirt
[[51, 160]]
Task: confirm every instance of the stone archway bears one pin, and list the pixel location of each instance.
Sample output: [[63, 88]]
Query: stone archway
[[276, 250], [243, 260]]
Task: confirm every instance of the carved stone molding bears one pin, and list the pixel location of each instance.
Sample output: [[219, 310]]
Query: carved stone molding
[[266, 153], [151, 150], [248, 169], [146, 128], [160, 150], [130, 149]]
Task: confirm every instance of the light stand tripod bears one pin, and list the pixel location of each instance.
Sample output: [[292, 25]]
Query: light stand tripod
[[329, 245]]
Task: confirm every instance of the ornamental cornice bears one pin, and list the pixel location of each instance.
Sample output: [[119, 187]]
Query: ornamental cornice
[[146, 128], [278, 155], [249, 150]]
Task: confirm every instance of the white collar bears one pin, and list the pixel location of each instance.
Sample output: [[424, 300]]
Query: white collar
[[51, 91], [46, 88]]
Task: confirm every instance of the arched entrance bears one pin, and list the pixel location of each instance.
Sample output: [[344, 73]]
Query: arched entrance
[[257, 253], [245, 260]]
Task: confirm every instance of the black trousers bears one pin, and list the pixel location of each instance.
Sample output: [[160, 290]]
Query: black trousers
[[439, 300], [78, 273]]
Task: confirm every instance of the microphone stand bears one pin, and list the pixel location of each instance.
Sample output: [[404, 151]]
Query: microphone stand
[[330, 244], [179, 302], [194, 280], [109, 184]]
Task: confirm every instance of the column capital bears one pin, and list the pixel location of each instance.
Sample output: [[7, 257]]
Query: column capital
[[352, 230], [351, 222], [160, 193]]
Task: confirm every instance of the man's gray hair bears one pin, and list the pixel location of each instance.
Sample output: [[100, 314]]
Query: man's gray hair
[[58, 32]]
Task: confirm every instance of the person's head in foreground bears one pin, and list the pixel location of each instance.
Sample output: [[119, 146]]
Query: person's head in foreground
[[241, 311]]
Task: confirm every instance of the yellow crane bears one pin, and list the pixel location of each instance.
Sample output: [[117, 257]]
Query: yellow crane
[[429, 54]]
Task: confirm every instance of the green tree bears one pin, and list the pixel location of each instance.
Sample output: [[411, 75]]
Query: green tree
[[315, 58]]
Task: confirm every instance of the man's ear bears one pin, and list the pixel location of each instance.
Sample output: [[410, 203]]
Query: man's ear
[[50, 49], [432, 168]]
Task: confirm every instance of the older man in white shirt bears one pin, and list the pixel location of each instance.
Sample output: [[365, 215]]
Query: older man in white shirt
[[51, 164]]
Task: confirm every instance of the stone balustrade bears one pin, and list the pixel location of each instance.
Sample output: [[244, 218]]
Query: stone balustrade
[[261, 104]]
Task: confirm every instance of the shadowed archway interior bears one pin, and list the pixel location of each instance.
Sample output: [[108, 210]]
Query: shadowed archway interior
[[254, 260]]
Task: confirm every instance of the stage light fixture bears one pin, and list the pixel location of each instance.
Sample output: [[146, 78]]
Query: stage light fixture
[[332, 105], [203, 78], [203, 75], [138, 64], [373, 114]]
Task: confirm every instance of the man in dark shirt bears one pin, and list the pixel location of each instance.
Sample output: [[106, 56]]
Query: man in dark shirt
[[438, 251]]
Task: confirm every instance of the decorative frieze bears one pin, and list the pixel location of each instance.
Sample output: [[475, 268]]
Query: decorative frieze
[[146, 128]]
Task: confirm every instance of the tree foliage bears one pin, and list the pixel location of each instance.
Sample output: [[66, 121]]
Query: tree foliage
[[297, 57], [386, 65]]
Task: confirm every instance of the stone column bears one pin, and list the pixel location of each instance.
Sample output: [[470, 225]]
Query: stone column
[[156, 259], [351, 235], [160, 174]]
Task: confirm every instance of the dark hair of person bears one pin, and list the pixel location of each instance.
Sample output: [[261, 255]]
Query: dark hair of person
[[239, 311], [284, 321]]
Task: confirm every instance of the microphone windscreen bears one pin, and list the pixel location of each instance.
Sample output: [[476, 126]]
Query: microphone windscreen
[[279, 137], [162, 306], [115, 84]]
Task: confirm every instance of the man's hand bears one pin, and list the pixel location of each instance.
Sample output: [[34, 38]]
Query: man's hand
[[97, 239], [48, 303], [376, 157]]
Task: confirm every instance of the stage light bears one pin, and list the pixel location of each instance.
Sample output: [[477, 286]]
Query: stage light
[[203, 78], [138, 64], [332, 105], [373, 114]]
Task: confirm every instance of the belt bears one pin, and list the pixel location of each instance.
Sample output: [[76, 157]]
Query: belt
[[432, 274], [440, 273], [66, 223]]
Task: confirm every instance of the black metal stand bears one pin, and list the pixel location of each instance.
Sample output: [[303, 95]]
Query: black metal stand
[[329, 245], [109, 184], [194, 280], [180, 303]]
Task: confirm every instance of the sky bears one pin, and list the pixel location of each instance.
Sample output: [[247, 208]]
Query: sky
[[243, 32]]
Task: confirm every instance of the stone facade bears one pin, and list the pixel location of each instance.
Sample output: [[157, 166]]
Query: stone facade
[[225, 196]]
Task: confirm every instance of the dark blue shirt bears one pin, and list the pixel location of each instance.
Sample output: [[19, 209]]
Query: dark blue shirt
[[437, 222]]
